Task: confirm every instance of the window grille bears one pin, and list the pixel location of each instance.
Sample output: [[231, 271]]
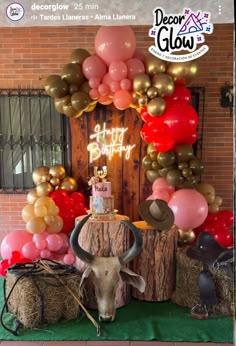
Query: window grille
[[32, 134]]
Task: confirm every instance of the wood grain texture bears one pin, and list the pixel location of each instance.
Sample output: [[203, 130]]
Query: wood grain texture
[[156, 263]]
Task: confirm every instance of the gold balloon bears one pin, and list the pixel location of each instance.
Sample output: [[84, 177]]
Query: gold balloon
[[218, 200], [143, 100], [163, 171], [32, 196], [182, 72], [186, 237], [49, 220], [60, 102], [152, 175], [174, 177], [40, 211], [69, 111], [156, 106], [213, 208], [44, 189], [156, 166], [182, 165], [49, 81], [73, 88], [72, 74], [28, 212], [166, 159], [57, 171], [44, 201], [154, 65], [58, 88], [147, 162], [54, 182], [91, 107], [164, 84], [197, 166], [152, 92], [69, 184], [153, 155], [53, 210], [80, 101], [187, 172], [208, 191], [150, 148], [56, 226], [141, 83], [36, 225], [40, 175], [85, 88], [79, 55], [184, 152]]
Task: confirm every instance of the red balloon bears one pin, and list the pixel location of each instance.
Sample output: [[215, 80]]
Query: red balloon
[[78, 197], [224, 237], [181, 93], [163, 143], [146, 133], [3, 267], [227, 217], [189, 139]]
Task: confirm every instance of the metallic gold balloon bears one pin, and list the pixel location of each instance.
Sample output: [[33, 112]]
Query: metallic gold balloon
[[57, 171], [28, 212], [91, 107], [60, 102], [218, 200], [154, 65], [182, 165], [49, 81], [44, 189], [73, 74], [69, 111], [147, 162], [152, 92], [45, 201], [56, 226], [164, 84], [36, 225], [150, 148], [68, 184], [213, 208], [58, 88], [73, 88], [85, 88], [166, 159], [143, 100], [156, 106], [208, 191], [184, 152], [186, 237], [54, 182], [156, 166], [153, 155], [80, 101], [182, 72], [141, 83], [32, 196], [152, 175], [40, 175], [79, 55], [187, 172]]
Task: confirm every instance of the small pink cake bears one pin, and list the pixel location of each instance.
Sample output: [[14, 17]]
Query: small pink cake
[[102, 189]]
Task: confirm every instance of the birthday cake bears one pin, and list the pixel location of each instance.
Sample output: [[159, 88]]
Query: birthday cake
[[102, 201]]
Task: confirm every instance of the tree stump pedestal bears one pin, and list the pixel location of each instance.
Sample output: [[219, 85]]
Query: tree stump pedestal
[[156, 262], [104, 238]]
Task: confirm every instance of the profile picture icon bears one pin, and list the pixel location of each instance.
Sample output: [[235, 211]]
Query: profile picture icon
[[15, 11]]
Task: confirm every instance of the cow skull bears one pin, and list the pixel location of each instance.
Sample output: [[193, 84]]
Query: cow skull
[[106, 272]]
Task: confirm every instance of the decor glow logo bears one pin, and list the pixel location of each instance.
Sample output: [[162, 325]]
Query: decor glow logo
[[178, 33], [15, 11]]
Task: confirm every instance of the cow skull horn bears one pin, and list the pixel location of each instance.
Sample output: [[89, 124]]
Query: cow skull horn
[[74, 243], [128, 255]]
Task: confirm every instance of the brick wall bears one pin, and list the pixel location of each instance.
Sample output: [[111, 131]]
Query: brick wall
[[29, 55]]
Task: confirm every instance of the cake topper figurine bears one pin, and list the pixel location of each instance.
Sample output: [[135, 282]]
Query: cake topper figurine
[[99, 176]]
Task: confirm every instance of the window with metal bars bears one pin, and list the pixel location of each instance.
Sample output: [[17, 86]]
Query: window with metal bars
[[32, 134]]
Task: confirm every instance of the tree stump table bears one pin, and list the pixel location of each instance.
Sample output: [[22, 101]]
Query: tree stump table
[[156, 262], [104, 238]]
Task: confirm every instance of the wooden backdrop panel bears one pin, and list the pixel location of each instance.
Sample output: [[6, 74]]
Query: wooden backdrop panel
[[129, 184]]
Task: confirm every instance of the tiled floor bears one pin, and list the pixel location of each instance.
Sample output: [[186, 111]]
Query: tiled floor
[[105, 343]]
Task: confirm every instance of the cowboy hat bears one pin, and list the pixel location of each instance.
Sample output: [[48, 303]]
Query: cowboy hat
[[157, 214]]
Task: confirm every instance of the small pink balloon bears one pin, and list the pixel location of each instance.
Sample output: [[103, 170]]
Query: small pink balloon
[[103, 89], [125, 84], [162, 183], [54, 242], [94, 67], [94, 82], [134, 66], [69, 259], [40, 244], [94, 94], [122, 99], [139, 55], [114, 86], [29, 250], [70, 251], [107, 79], [14, 241], [45, 253], [161, 194], [105, 100], [118, 70], [40, 236]]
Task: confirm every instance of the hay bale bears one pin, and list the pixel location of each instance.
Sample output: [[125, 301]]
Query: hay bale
[[40, 297], [187, 291]]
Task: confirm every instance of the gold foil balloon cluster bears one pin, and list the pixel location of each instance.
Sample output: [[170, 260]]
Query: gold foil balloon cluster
[[208, 191], [179, 166], [70, 89]]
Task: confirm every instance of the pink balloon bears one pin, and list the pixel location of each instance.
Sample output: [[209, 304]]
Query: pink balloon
[[94, 67], [94, 94], [29, 250], [40, 236], [14, 241], [69, 259], [122, 99], [134, 67], [118, 70], [45, 253], [94, 82], [114, 43], [107, 79], [105, 100], [54, 242], [162, 183], [114, 86], [125, 84], [139, 55], [103, 89], [189, 207], [161, 194], [40, 244]]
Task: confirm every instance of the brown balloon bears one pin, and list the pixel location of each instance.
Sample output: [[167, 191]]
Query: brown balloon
[[187, 172], [186, 237], [184, 152], [163, 171], [213, 208], [196, 166], [174, 177], [147, 162], [49, 81], [208, 191], [70, 112], [72, 74], [164, 84], [40, 175], [57, 171], [44, 189], [182, 165], [182, 72], [58, 88], [85, 88], [80, 101], [68, 184], [79, 55], [73, 88], [166, 159], [150, 148], [152, 92], [218, 200], [141, 83], [152, 175], [156, 166], [153, 155], [91, 107], [60, 102], [156, 106], [154, 65]]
